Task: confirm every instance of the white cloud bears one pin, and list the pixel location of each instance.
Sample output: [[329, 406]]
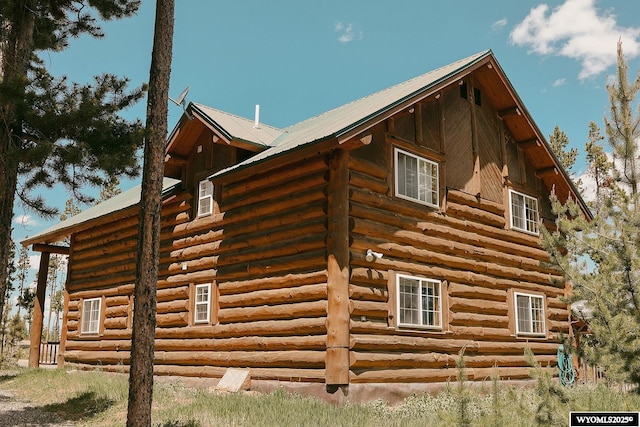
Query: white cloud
[[25, 220], [578, 30], [34, 262], [499, 24], [559, 82], [348, 32]]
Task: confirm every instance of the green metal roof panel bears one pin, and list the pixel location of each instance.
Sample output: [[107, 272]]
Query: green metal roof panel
[[236, 127], [122, 201], [340, 120]]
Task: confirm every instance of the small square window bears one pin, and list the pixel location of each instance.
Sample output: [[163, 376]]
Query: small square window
[[419, 302], [205, 198], [529, 314], [91, 316], [416, 178], [202, 303], [524, 213]]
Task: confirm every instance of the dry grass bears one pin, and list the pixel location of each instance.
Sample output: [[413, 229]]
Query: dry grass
[[100, 399]]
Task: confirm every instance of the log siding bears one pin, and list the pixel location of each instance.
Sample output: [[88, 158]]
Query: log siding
[[293, 295]]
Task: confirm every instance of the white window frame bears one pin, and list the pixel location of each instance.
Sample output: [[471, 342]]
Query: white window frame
[[421, 311], [434, 190], [529, 222], [198, 302], [205, 194], [532, 319], [91, 312]]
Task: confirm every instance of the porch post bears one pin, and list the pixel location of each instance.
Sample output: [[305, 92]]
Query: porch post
[[38, 312]]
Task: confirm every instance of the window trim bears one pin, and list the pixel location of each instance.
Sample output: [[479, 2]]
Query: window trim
[[530, 296], [421, 280], [84, 313], [201, 197], [197, 303], [527, 221], [396, 152]]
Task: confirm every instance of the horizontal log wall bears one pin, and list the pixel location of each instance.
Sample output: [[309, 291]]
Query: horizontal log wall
[[264, 253], [478, 261]]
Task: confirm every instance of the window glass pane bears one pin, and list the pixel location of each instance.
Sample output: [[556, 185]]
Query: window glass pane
[[524, 213], [537, 315], [91, 315], [202, 303], [416, 178], [205, 198], [409, 293], [419, 302], [524, 315], [431, 304]]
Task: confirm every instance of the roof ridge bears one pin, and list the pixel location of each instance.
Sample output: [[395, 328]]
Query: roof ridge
[[199, 105], [389, 88]]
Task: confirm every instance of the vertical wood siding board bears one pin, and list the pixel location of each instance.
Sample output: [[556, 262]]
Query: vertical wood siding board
[[460, 161], [337, 355]]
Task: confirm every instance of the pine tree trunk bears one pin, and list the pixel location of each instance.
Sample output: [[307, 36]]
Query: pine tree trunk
[[16, 53], [144, 321]]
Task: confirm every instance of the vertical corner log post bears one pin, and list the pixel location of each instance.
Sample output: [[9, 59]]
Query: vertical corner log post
[[38, 312], [338, 334]]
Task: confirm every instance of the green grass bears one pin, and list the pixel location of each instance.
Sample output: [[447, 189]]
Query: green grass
[[100, 399]]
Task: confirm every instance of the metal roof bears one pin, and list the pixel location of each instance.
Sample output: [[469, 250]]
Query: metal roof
[[236, 127], [120, 202], [339, 121]]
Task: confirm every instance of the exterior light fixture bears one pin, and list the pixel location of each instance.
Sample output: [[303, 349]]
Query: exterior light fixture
[[372, 256]]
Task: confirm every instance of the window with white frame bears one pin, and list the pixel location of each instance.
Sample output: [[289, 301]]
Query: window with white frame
[[524, 213], [416, 178], [91, 316], [202, 303], [419, 302], [205, 198], [529, 314]]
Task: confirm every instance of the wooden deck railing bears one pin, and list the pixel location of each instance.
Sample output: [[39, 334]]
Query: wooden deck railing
[[49, 353]]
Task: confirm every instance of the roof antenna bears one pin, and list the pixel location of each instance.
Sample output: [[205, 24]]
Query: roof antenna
[[182, 100]]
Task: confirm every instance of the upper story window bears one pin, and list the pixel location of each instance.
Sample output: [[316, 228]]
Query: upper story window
[[529, 314], [91, 316], [524, 213], [416, 178], [202, 304], [419, 301], [205, 198]]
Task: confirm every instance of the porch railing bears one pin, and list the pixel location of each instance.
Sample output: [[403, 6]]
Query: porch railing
[[49, 352]]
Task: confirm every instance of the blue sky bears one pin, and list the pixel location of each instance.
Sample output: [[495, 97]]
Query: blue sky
[[298, 59]]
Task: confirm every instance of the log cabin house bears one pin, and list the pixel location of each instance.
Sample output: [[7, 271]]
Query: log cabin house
[[366, 245]]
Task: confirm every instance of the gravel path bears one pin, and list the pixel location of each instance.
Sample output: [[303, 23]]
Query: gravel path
[[18, 413]]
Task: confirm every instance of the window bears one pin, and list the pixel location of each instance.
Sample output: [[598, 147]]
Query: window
[[419, 302], [529, 314], [202, 303], [205, 198], [416, 178], [524, 213], [91, 316]]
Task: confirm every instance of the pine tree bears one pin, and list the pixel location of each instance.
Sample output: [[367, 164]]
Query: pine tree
[[559, 142], [22, 272], [109, 189], [601, 257], [599, 169], [53, 130]]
